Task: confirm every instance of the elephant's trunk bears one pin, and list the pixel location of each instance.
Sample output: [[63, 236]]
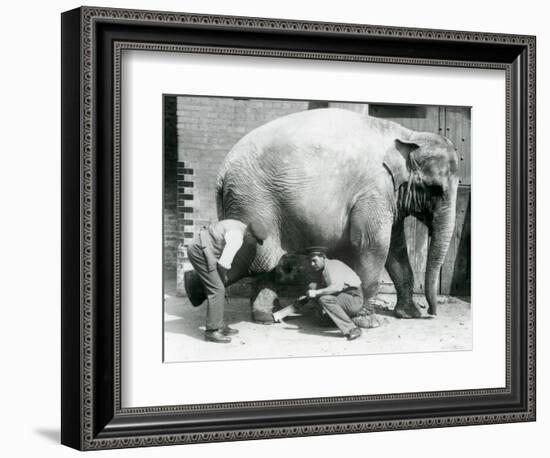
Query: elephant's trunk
[[443, 224]]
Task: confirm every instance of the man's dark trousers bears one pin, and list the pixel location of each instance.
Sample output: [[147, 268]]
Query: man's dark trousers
[[213, 284], [342, 307]]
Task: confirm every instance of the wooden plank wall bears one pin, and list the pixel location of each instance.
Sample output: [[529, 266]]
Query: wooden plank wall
[[455, 274], [453, 122]]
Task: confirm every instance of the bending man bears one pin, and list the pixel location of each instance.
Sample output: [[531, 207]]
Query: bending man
[[211, 255]]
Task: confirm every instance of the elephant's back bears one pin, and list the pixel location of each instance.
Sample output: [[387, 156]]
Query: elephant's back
[[326, 134]]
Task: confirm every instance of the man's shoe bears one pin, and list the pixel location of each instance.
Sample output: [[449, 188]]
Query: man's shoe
[[227, 331], [216, 336], [354, 333]]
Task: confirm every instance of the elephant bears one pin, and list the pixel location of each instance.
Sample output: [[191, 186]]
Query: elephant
[[346, 181]]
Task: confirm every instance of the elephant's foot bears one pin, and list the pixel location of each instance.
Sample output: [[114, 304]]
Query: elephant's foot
[[407, 310], [367, 321], [263, 304]]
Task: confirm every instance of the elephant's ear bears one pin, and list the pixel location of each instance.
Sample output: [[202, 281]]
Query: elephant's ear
[[396, 160]]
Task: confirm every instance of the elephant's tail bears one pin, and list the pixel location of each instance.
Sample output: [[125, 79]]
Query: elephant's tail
[[219, 197]]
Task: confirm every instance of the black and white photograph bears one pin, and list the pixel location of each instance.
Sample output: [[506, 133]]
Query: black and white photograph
[[314, 228]]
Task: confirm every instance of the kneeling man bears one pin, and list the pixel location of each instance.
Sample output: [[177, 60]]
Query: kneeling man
[[342, 297]]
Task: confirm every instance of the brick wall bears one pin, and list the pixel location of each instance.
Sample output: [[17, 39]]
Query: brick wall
[[170, 179], [185, 202]]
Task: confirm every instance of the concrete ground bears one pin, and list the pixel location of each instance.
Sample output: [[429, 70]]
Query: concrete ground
[[303, 336]]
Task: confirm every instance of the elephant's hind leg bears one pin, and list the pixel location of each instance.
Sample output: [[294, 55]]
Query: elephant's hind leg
[[400, 271]]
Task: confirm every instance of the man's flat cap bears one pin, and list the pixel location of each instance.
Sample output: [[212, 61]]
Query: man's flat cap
[[313, 250]]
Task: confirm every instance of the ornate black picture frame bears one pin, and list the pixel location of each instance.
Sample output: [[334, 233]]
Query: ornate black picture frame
[[92, 42]]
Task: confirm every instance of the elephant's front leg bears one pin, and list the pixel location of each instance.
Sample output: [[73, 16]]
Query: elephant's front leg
[[369, 268], [400, 271]]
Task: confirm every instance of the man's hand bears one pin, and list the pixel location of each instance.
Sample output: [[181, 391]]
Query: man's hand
[[312, 293]]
